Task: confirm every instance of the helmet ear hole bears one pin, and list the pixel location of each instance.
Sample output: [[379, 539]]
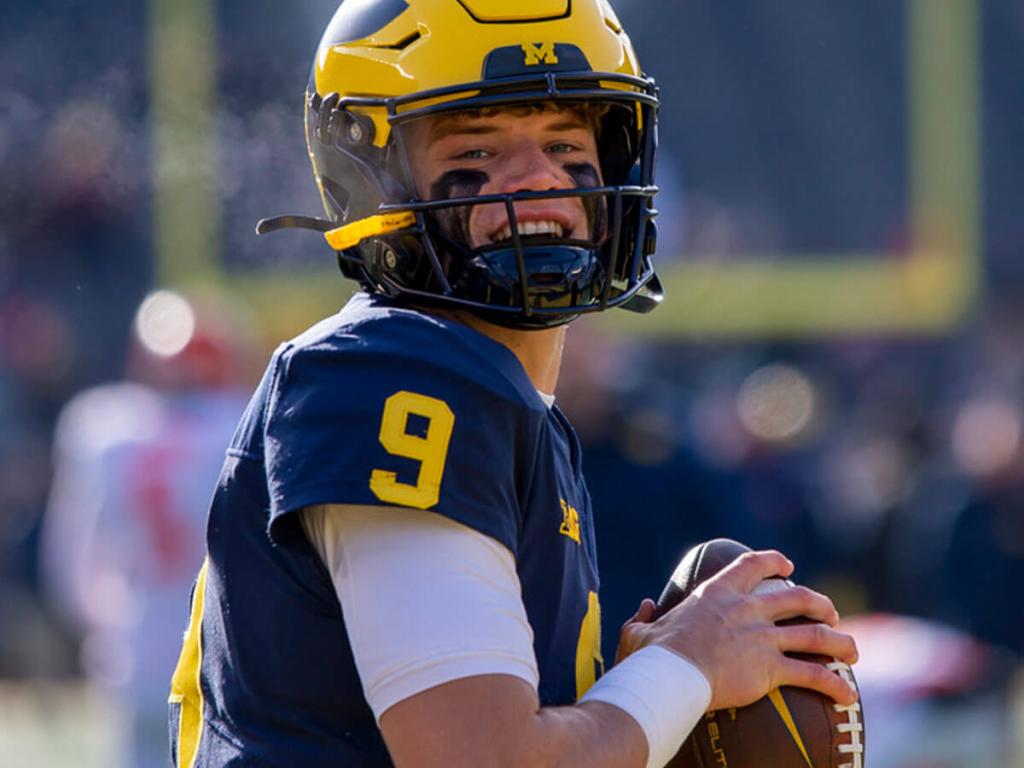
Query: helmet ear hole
[[359, 129], [338, 126]]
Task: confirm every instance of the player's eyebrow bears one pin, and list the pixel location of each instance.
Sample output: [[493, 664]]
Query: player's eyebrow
[[456, 127], [568, 124]]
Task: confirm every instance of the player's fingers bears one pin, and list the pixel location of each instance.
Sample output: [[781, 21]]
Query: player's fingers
[[644, 614], [646, 611], [631, 634], [781, 600], [751, 568], [817, 638], [817, 677]]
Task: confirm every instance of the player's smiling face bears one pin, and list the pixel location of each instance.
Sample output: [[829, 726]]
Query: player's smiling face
[[500, 151]]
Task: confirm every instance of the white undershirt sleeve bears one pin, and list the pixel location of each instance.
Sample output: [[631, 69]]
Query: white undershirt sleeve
[[426, 600]]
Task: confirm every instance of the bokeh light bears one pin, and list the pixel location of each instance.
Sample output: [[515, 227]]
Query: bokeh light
[[867, 476], [777, 403], [987, 435], [165, 323]]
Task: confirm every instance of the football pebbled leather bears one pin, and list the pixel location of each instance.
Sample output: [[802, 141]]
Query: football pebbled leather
[[789, 728]]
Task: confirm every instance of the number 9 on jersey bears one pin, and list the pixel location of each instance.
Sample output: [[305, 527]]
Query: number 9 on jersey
[[431, 449]]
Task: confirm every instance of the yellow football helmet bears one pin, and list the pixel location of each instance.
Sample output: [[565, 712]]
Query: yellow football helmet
[[385, 63]]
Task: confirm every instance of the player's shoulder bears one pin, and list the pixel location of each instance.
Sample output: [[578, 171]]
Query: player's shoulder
[[372, 343]]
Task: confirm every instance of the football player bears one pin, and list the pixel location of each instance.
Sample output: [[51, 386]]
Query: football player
[[401, 563]]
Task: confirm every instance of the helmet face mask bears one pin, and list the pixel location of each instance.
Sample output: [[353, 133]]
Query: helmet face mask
[[417, 247]]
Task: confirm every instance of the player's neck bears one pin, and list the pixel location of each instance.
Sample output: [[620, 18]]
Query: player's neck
[[539, 352]]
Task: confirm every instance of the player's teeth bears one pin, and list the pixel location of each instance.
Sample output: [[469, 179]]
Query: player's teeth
[[530, 228], [540, 228]]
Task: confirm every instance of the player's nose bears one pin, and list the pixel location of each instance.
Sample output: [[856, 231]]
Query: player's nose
[[528, 168]]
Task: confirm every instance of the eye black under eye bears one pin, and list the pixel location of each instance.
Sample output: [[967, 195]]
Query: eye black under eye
[[460, 182]]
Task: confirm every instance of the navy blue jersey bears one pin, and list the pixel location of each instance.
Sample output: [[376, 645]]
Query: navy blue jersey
[[374, 406]]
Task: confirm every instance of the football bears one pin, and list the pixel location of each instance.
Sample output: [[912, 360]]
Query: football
[[789, 728]]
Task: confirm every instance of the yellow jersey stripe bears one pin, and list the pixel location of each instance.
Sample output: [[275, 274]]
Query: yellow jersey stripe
[[589, 662], [186, 689]]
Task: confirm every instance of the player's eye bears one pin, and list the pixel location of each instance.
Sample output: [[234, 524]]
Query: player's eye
[[472, 154], [562, 148]]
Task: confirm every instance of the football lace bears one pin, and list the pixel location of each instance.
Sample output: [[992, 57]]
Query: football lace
[[853, 725]]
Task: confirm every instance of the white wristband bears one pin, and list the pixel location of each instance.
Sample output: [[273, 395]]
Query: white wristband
[[662, 691]]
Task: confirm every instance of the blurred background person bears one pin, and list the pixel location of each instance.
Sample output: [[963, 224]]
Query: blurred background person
[[135, 464]]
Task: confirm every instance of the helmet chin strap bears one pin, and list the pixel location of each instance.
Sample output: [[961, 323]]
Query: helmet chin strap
[[346, 236], [351, 235]]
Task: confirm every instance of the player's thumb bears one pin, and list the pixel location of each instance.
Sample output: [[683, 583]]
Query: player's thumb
[[627, 638], [644, 614]]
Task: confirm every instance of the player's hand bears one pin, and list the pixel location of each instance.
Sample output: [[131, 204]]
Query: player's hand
[[644, 615], [731, 635]]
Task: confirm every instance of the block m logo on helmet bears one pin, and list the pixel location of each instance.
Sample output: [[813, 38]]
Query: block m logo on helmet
[[539, 53]]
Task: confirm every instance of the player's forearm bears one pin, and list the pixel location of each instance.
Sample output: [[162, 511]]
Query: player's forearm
[[637, 714], [495, 722], [591, 733], [594, 734]]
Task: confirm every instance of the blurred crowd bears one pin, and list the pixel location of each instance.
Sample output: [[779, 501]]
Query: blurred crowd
[[892, 472], [890, 469]]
